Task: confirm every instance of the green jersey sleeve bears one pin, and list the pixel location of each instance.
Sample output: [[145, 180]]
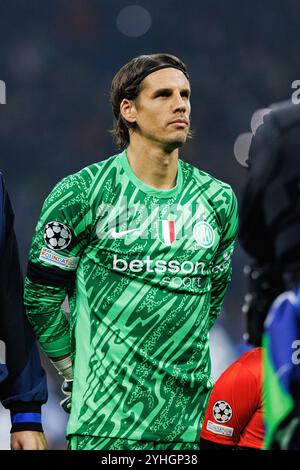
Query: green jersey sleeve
[[60, 238], [222, 265]]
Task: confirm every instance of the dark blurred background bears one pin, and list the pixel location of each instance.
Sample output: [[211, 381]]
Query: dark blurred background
[[57, 59]]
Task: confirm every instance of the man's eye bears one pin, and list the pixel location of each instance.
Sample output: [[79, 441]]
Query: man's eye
[[164, 94]]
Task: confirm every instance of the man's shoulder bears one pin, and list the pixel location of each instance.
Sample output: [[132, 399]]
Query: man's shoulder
[[205, 179], [95, 170], [253, 354], [83, 179], [252, 360]]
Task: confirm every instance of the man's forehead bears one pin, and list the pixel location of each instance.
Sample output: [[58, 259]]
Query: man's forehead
[[165, 78]]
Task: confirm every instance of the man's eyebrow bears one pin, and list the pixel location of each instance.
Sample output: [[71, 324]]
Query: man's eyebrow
[[169, 90]]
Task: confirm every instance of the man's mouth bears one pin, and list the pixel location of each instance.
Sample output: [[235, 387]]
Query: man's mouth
[[179, 122]]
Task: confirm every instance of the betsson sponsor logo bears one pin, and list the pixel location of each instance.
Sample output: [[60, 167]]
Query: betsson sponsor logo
[[158, 266], [162, 266]]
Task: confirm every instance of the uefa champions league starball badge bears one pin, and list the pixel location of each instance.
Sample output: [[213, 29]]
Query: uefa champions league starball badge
[[57, 236], [222, 411]]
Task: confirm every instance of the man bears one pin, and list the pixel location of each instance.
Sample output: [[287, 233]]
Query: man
[[234, 415], [256, 402], [141, 242], [271, 207], [22, 380]]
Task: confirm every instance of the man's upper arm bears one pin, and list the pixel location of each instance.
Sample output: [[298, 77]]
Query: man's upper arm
[[60, 238], [221, 266], [60, 235]]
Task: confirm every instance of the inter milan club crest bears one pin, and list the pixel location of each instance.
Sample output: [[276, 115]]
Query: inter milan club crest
[[204, 234], [167, 231]]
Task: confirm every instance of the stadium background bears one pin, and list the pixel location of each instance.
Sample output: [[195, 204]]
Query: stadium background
[[57, 58]]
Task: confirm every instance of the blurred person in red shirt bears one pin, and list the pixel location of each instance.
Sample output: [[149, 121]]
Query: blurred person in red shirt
[[234, 415]]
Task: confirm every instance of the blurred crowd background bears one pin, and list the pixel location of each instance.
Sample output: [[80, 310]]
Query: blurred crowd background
[[57, 59]]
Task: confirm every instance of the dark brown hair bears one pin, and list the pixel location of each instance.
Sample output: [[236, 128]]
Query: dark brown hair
[[127, 84]]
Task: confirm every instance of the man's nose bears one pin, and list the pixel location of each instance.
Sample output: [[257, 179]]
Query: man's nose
[[179, 103]]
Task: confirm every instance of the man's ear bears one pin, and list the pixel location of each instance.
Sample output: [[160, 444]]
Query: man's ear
[[128, 110]]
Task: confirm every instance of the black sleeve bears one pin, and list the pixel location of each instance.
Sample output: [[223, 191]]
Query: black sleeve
[[23, 386]]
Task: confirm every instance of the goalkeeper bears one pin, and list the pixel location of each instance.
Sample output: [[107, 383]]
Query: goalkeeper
[[141, 243]]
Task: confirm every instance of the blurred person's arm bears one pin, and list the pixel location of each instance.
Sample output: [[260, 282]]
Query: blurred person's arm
[[233, 402], [23, 387], [28, 440]]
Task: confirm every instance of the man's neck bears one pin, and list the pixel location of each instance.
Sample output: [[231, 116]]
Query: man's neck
[[152, 165]]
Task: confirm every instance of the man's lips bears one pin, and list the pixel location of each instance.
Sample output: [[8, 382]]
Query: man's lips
[[181, 122]]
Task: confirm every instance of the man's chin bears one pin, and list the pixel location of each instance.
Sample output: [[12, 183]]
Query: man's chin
[[175, 143]]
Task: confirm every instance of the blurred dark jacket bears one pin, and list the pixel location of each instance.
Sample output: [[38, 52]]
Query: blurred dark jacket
[[23, 387]]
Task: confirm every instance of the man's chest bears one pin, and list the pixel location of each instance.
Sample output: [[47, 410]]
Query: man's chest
[[173, 243]]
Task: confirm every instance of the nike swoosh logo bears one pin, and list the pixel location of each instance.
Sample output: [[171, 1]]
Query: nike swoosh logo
[[115, 234]]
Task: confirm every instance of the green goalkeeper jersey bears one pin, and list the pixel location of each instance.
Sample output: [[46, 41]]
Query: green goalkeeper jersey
[[146, 271]]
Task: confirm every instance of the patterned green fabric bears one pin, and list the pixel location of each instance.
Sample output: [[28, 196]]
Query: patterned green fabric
[[152, 268], [45, 313], [102, 443]]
